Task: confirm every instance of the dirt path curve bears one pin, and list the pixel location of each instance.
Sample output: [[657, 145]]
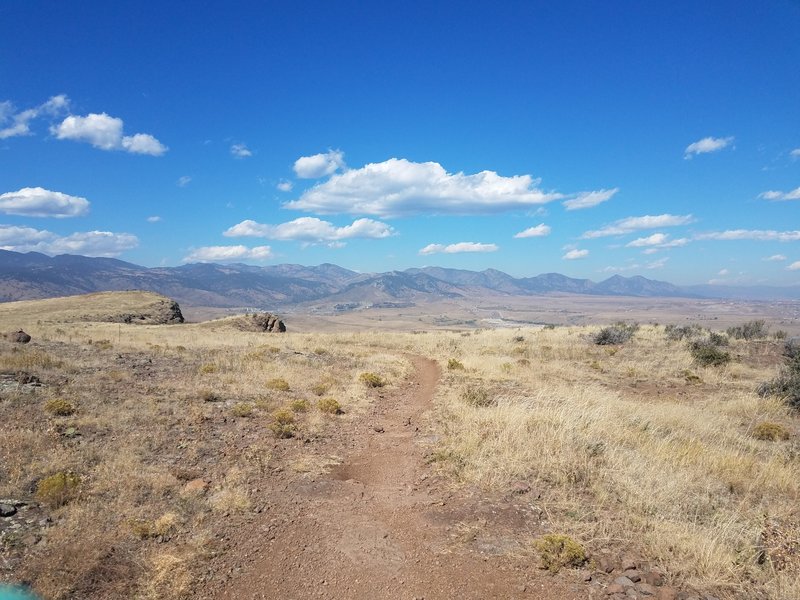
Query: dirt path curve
[[381, 525]]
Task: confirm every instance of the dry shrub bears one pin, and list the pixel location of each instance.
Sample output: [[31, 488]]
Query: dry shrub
[[283, 423], [58, 489], [770, 432], [210, 396], [477, 396], [299, 406], [278, 384], [557, 551], [242, 409], [455, 365], [59, 407], [330, 406], [372, 380], [321, 388], [169, 577]]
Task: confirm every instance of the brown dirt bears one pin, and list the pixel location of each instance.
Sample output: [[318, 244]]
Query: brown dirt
[[382, 525]]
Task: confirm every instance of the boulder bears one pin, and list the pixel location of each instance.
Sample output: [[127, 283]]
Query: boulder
[[266, 322], [19, 337]]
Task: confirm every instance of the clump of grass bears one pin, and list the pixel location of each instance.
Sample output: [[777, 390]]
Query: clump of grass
[[707, 354], [770, 431], [677, 333], [59, 407], [320, 389], [207, 368], [477, 396], [162, 526], [557, 551], [242, 409], [372, 380], [518, 339], [283, 423], [102, 344], [320, 351], [299, 406], [455, 365], [615, 334], [278, 384], [330, 406], [58, 489]]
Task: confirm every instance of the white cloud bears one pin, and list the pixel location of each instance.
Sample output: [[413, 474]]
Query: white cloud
[[540, 230], [706, 145], [795, 266], [575, 254], [458, 248], [631, 224], [39, 202], [751, 234], [228, 254], [723, 272], [184, 181], [589, 199], [775, 258], [285, 186], [399, 187], [105, 132], [652, 240], [311, 230], [154, 219], [20, 122], [657, 264], [632, 267], [774, 195], [795, 153], [88, 243], [319, 165], [241, 151]]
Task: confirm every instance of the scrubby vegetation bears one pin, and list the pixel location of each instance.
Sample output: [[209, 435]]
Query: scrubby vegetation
[[615, 334], [558, 551]]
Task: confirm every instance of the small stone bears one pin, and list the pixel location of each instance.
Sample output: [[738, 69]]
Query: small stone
[[7, 510], [615, 588], [667, 593], [606, 564], [586, 575], [623, 581], [628, 564], [19, 337], [196, 486], [653, 577], [520, 487], [378, 429]]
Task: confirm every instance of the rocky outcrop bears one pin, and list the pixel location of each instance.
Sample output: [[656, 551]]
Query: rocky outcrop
[[164, 312], [266, 322]]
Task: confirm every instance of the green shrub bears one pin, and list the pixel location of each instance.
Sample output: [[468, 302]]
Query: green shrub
[[707, 354], [455, 365], [372, 380], [299, 406], [752, 330], [770, 432], [59, 407], [330, 406], [58, 489], [787, 384], [242, 409], [557, 551], [283, 425]]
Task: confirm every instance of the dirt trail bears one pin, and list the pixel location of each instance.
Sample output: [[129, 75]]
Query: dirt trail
[[382, 525]]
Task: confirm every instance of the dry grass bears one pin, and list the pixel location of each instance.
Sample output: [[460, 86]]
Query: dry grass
[[634, 445]]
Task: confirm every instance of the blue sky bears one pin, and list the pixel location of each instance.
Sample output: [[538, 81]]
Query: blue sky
[[587, 138]]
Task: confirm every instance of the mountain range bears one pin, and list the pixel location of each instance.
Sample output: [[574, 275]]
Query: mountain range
[[27, 276]]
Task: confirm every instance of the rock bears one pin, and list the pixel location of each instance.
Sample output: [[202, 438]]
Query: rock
[[628, 564], [653, 577], [667, 593], [262, 322], [520, 487], [19, 337], [646, 589], [7, 510], [606, 564], [633, 575], [615, 588], [196, 486], [624, 582]]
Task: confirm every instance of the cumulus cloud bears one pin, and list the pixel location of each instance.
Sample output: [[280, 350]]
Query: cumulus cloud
[[631, 224], [458, 248], [795, 153], [761, 235], [184, 181], [319, 165], [39, 202], [723, 272], [575, 254], [539, 230], [775, 195], [241, 151], [652, 243], [88, 243], [154, 219], [106, 133], [795, 266], [706, 145], [399, 187], [589, 199], [228, 254], [775, 258], [285, 186], [18, 123], [311, 230]]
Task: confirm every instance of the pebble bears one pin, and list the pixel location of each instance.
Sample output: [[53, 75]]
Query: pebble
[[7, 510]]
